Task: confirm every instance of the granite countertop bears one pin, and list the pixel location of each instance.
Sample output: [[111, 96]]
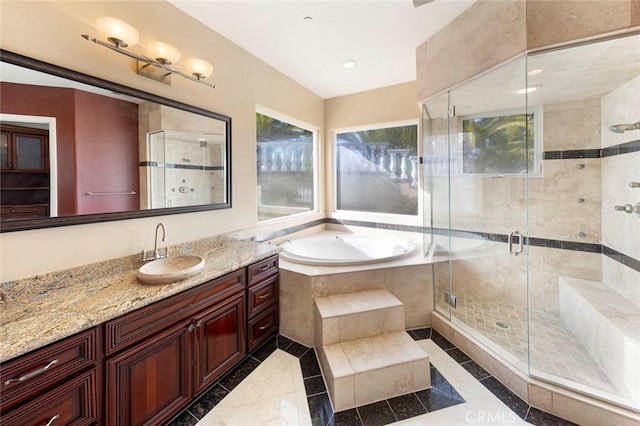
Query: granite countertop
[[45, 308]]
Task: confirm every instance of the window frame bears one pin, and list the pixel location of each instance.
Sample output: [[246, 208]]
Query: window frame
[[315, 131], [370, 216], [538, 140]]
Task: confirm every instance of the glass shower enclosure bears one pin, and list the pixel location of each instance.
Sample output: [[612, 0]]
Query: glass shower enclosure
[[522, 176]]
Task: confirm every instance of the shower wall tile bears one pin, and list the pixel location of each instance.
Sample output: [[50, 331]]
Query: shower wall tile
[[495, 32], [552, 22], [572, 125], [484, 35], [621, 106], [618, 227], [493, 275], [555, 210], [622, 279], [547, 265], [441, 285], [443, 49]]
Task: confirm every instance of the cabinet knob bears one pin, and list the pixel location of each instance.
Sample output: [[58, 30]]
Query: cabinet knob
[[191, 328]]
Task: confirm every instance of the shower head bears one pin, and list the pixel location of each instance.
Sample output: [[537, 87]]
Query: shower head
[[621, 128]]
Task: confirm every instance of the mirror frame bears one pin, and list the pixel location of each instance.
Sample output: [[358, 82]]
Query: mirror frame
[[50, 222]]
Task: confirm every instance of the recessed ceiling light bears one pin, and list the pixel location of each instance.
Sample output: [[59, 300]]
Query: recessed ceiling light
[[535, 72], [349, 63], [528, 89]]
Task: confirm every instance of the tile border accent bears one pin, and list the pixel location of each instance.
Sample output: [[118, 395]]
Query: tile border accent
[[622, 258], [623, 148]]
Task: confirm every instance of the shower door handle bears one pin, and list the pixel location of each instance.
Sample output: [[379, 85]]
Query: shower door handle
[[520, 245]]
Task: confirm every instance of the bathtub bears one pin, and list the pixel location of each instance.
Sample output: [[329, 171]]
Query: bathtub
[[339, 250]]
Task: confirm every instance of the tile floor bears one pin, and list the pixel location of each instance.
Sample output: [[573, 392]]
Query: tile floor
[[281, 384], [554, 349]]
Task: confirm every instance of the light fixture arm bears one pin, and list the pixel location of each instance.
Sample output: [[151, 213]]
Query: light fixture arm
[[148, 61]]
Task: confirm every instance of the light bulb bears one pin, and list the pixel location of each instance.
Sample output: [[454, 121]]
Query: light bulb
[[199, 68], [163, 52], [349, 63], [118, 32]]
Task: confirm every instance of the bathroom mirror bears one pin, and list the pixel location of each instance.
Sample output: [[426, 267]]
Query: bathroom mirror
[[77, 149]]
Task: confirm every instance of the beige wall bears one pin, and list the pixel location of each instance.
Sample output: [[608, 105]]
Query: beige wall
[[50, 31], [379, 106]]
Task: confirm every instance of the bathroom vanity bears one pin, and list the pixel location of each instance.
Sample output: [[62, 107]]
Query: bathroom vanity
[[144, 365]]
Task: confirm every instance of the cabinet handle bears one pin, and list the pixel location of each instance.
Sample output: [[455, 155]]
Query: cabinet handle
[[264, 327], [199, 323], [264, 268], [191, 328], [33, 373], [264, 296], [52, 419]]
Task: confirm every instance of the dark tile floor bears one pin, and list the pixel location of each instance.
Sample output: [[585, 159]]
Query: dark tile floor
[[441, 394]]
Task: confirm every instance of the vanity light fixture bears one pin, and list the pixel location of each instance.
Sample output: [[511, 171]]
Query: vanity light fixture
[[159, 65]]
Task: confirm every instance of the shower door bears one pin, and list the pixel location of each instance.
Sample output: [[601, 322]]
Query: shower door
[[479, 207]]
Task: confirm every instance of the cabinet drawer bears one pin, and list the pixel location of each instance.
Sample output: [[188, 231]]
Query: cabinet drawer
[[263, 326], [263, 295], [261, 270], [145, 322], [24, 211], [26, 376], [72, 403]]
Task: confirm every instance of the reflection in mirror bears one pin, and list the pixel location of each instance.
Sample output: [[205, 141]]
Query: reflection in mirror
[[76, 149], [184, 169]]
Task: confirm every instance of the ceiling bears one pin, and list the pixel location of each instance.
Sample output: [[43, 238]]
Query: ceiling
[[380, 35]]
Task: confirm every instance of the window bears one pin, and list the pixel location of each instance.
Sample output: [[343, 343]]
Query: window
[[377, 170], [286, 168], [503, 143]]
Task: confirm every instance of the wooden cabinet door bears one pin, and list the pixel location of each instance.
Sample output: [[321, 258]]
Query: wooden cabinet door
[[220, 340], [29, 152], [150, 382], [5, 150]]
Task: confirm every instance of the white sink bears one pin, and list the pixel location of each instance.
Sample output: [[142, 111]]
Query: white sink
[[170, 269]]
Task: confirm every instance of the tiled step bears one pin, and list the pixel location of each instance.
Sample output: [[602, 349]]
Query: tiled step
[[371, 369], [608, 325], [345, 317]]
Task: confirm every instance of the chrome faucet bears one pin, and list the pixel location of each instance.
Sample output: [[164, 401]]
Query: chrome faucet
[[156, 254]]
